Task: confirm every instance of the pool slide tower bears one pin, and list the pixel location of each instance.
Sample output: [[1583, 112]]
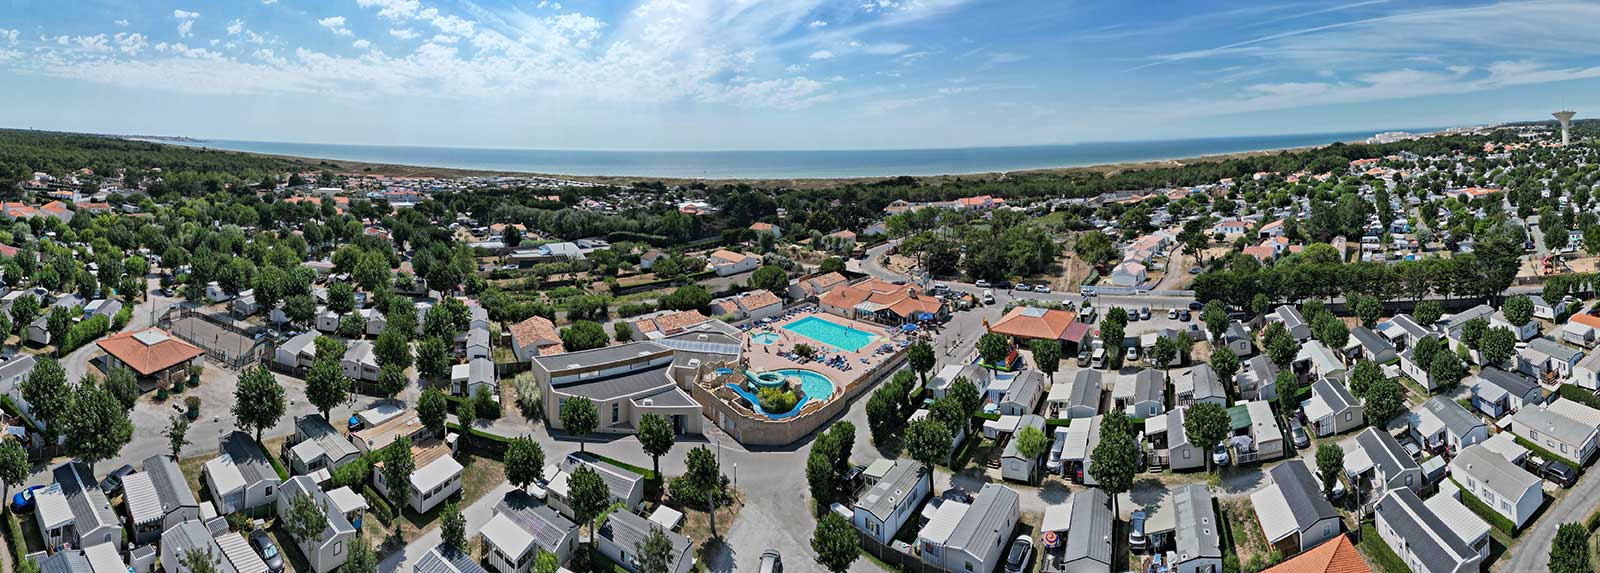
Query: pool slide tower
[[1565, 117]]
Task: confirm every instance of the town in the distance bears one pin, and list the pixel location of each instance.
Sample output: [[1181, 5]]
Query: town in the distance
[[1376, 356]]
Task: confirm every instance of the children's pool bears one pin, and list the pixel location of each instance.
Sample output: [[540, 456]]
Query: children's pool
[[815, 385], [831, 333], [764, 337]]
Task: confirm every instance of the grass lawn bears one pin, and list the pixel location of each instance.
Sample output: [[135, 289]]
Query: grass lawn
[[478, 476], [697, 524], [1248, 541], [289, 549], [1379, 556]]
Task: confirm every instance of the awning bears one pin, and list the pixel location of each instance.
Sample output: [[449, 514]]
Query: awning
[[908, 327], [1075, 332]]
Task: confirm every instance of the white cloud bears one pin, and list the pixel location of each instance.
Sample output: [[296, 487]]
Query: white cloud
[[131, 44], [185, 27], [9, 35], [1006, 58], [123, 22], [235, 27], [268, 2], [393, 9], [885, 49], [815, 24], [361, 44], [443, 39], [185, 14], [821, 55], [336, 24], [402, 33]]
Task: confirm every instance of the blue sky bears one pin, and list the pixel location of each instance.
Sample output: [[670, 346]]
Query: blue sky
[[784, 74]]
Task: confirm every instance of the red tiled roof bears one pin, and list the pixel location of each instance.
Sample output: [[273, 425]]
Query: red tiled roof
[[149, 354], [1336, 555], [1028, 322], [538, 331]]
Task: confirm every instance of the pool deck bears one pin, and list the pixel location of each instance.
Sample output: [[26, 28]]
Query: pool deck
[[766, 357]]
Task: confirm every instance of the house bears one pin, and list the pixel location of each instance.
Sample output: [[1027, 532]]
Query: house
[[1181, 454], [215, 294], [447, 559], [1496, 392], [152, 354], [299, 351], [971, 537], [1082, 397], [1582, 330], [1258, 379], [979, 376], [73, 511], [1237, 338], [624, 487], [102, 558], [1545, 359], [625, 382], [103, 307], [245, 305], [1461, 521], [13, 372], [883, 302], [1014, 465], [1420, 538], [814, 286], [374, 320], [1523, 331], [477, 343], [521, 528], [1337, 555], [1088, 542], [1452, 325], [1443, 425], [1371, 346], [1331, 409], [892, 501], [1377, 463], [751, 305], [1292, 512], [326, 550], [437, 475], [536, 336], [1128, 274], [1022, 396], [1199, 385], [648, 260], [1585, 374], [378, 433], [1403, 331], [768, 228], [1545, 310], [240, 478], [360, 362], [466, 379], [1141, 394], [624, 531], [316, 445], [1318, 359], [1563, 427], [1185, 526], [1293, 322], [726, 262], [663, 324], [1510, 490], [1412, 369], [327, 320], [1025, 323], [194, 536], [1265, 435], [166, 502]]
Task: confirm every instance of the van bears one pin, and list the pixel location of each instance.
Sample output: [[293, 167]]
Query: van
[[988, 296], [1098, 358]]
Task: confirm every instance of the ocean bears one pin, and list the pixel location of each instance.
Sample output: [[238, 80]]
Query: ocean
[[786, 164]]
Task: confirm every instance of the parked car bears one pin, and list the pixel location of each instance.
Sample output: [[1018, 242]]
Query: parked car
[[988, 296], [1136, 539], [112, 485], [1172, 314], [1042, 288], [1023, 287], [268, 550], [1194, 270], [1133, 315], [1184, 316], [1560, 473], [981, 283], [1053, 464], [1144, 313], [1220, 456], [771, 562], [22, 501], [1083, 358], [1133, 355], [1298, 433], [1003, 284], [1020, 554], [1196, 306]]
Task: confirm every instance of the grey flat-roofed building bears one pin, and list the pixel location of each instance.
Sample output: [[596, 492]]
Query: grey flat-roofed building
[[1373, 347], [1510, 490], [1420, 538], [1376, 456], [1293, 514], [446, 559], [1084, 400], [1441, 422], [1088, 543], [892, 501], [1023, 396], [1258, 379], [625, 530], [1292, 321], [1196, 537], [191, 536], [1199, 384], [979, 539], [616, 379], [1562, 435]]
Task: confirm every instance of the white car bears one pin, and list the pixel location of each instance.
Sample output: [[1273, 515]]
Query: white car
[[981, 283], [1054, 462], [1042, 288]]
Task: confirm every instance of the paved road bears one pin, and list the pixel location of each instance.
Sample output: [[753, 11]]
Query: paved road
[[1532, 549]]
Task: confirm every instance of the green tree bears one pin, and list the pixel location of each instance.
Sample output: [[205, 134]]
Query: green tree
[[1162, 355], [341, 298], [14, 466], [1427, 312], [882, 413], [392, 380], [579, 417], [452, 526], [24, 310], [258, 401], [122, 384], [920, 357], [928, 441], [393, 348], [1384, 401], [1095, 248], [1288, 388], [1363, 376], [1206, 425], [398, 464], [1283, 350], [1445, 371], [1225, 362], [198, 561], [177, 435], [1330, 465], [835, 543], [1330, 331], [1472, 332], [524, 461], [831, 265], [1112, 333], [1518, 309], [546, 562], [656, 437], [1046, 357], [1114, 460], [433, 409], [57, 323], [654, 552], [1569, 552], [1497, 346], [687, 297], [994, 348], [584, 335], [96, 426], [306, 519], [587, 496], [1215, 316], [326, 385], [433, 359], [965, 394], [622, 332], [772, 278], [1369, 309], [1031, 442], [819, 476], [300, 309]]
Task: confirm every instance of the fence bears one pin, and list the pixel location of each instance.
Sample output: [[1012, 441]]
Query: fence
[[229, 346], [896, 558]]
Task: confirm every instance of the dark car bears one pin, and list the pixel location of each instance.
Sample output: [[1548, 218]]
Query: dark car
[[1136, 538], [1020, 554], [1560, 473], [1003, 284], [112, 485], [1196, 306], [268, 550], [1298, 432], [1184, 315], [22, 501]]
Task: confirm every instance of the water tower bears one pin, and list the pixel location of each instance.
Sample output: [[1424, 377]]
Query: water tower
[[1565, 117]]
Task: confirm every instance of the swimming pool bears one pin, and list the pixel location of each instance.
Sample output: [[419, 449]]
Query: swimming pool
[[815, 385], [764, 337], [831, 333]]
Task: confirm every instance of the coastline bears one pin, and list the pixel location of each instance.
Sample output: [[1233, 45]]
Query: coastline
[[411, 170]]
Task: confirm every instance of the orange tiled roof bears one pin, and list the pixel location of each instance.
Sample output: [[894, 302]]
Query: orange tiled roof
[[727, 256], [671, 323], [845, 296], [759, 298], [1588, 320], [537, 330], [149, 354], [1049, 325], [1336, 555]]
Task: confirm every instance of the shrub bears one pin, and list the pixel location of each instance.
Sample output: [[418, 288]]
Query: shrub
[[528, 395], [238, 521], [776, 401]]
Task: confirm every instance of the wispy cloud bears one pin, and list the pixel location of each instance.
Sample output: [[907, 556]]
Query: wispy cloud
[[336, 25]]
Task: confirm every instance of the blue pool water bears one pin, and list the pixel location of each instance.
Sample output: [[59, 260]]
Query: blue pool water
[[831, 333], [815, 385], [764, 337]]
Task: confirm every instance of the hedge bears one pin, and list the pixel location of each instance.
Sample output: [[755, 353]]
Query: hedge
[[82, 333], [1488, 514], [380, 505], [1546, 454], [19, 544], [1579, 395], [647, 473]]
